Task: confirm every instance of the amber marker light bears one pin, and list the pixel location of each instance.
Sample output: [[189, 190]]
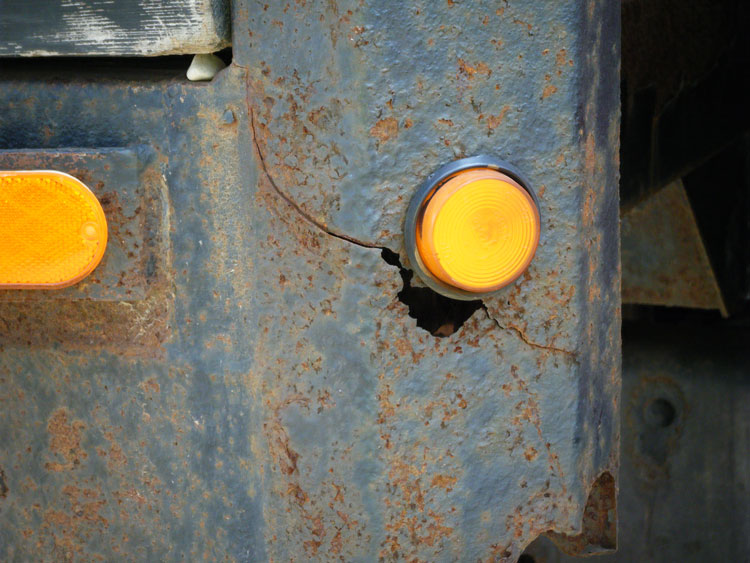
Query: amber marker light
[[473, 228], [53, 230]]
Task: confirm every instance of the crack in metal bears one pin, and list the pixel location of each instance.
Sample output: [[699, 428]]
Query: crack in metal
[[525, 339], [313, 222], [306, 216]]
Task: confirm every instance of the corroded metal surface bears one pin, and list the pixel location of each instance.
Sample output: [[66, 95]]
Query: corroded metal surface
[[282, 404], [685, 433], [346, 126]]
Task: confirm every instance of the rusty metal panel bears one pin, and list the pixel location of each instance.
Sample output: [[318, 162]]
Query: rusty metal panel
[[283, 404], [351, 106], [684, 474], [126, 428], [127, 292], [664, 260]]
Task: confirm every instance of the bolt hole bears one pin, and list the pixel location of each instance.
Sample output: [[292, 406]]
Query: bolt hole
[[526, 558], [435, 313], [661, 413]]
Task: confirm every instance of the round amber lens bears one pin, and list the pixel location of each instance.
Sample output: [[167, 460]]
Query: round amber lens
[[479, 231], [54, 232]]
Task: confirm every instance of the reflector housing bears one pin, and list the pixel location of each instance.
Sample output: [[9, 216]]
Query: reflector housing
[[53, 230]]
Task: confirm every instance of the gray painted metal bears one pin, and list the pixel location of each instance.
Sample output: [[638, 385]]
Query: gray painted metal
[[44, 28], [270, 398]]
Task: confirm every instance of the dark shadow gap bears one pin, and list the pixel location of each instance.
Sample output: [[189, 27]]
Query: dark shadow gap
[[98, 68], [435, 313]]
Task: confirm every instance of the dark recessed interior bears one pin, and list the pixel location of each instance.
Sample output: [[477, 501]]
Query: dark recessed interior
[[435, 313]]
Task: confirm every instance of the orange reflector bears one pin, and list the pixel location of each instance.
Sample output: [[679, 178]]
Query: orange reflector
[[52, 230], [479, 231]]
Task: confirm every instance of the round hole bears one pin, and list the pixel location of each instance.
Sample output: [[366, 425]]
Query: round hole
[[660, 412], [526, 558]]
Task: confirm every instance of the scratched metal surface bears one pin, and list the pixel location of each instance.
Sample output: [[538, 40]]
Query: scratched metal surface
[[270, 398]]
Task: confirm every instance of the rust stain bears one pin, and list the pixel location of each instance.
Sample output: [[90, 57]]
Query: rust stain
[[115, 456], [386, 407], [470, 71], [71, 529], [599, 524], [412, 523], [561, 59], [590, 196], [285, 174], [319, 117], [443, 481], [494, 121], [548, 91], [307, 505], [311, 547], [65, 441], [529, 413], [150, 385], [385, 129], [278, 438], [336, 544], [131, 329], [525, 24]]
